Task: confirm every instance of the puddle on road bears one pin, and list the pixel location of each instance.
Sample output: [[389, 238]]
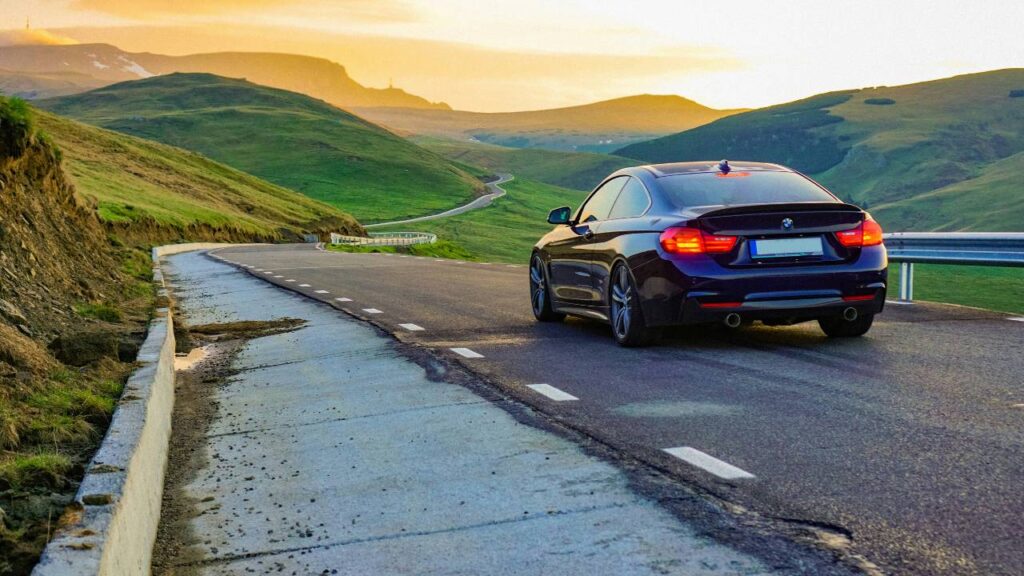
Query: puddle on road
[[675, 409]]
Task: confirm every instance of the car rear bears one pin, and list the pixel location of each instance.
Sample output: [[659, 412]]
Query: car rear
[[767, 245]]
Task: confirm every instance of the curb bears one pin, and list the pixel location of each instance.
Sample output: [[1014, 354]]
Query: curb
[[120, 496]]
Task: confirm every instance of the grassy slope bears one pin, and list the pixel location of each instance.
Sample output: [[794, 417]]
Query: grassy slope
[[597, 127], [999, 289], [576, 170], [284, 137], [134, 180], [506, 230], [959, 139]]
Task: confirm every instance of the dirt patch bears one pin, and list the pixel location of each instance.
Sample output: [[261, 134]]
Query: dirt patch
[[194, 411], [177, 550], [245, 328]]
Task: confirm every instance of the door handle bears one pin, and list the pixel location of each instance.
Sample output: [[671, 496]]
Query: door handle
[[588, 235]]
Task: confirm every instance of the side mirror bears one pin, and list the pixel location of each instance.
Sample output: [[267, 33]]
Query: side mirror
[[560, 215]]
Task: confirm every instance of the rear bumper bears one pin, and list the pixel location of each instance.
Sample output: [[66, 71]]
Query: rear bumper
[[695, 290]]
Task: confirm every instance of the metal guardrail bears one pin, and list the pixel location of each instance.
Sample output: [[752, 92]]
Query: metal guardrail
[[965, 248], [385, 239]]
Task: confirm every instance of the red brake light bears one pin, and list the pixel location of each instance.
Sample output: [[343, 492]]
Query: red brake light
[[694, 241], [872, 233], [867, 233]]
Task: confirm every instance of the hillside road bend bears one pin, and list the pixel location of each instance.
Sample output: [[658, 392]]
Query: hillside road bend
[[904, 447]]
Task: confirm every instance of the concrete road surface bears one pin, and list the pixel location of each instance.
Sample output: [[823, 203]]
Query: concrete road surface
[[905, 447], [336, 450]]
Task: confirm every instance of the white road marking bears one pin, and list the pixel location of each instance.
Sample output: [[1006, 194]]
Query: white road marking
[[322, 292], [900, 302], [290, 280], [278, 276], [439, 260], [1020, 319], [256, 269], [343, 299], [467, 353], [372, 311], [552, 392], [709, 463], [412, 327], [303, 285], [267, 272]]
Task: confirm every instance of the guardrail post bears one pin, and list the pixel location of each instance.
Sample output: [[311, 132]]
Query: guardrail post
[[906, 281]]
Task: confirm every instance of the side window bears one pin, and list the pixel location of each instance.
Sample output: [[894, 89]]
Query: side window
[[600, 203], [633, 200]]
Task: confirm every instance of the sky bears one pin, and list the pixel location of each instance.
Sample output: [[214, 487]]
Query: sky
[[499, 55]]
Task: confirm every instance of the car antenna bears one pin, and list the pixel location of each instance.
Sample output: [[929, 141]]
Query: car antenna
[[724, 167]]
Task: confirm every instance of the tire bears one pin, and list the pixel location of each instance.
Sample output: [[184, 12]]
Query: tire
[[540, 292], [839, 327], [627, 319]]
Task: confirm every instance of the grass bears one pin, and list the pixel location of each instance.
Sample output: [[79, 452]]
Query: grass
[[439, 249], [1000, 289], [286, 138], [99, 311], [506, 230], [576, 170], [144, 184]]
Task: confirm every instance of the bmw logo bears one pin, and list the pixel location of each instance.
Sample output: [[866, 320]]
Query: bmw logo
[[787, 223]]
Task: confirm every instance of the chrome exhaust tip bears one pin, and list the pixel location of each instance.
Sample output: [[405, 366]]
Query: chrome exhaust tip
[[850, 314], [733, 320]]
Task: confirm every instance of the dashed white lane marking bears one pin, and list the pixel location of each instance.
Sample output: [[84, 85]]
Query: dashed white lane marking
[[343, 299], [467, 353], [303, 285], [267, 272], [256, 269], [290, 280], [709, 463], [372, 311], [412, 327], [552, 392], [899, 302], [322, 292], [1015, 319], [278, 276], [439, 260]]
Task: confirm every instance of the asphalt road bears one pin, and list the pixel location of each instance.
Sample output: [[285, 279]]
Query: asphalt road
[[905, 447], [494, 191]]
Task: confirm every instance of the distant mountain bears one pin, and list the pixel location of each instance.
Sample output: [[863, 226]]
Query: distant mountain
[[598, 127], [39, 71], [287, 138], [940, 155]]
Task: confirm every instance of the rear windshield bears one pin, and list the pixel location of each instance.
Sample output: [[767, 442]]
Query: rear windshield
[[738, 188]]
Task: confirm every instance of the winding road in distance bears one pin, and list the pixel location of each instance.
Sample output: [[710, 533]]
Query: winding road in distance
[[496, 191], [904, 446]]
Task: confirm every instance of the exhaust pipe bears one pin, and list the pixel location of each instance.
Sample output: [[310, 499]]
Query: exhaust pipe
[[733, 320], [850, 314]]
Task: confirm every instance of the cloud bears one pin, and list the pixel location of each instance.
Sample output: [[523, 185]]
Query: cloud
[[32, 38], [365, 10]]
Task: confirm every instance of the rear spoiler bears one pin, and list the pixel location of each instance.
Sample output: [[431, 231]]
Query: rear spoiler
[[790, 207]]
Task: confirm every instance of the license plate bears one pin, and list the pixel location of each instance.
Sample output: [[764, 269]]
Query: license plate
[[786, 248]]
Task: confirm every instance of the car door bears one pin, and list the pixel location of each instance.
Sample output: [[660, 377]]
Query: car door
[[570, 258], [632, 202]]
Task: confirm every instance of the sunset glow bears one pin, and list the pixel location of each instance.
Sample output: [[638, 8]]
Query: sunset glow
[[532, 54]]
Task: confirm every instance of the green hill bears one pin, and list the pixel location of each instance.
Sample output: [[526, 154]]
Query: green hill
[[155, 193], [575, 170], [284, 137], [597, 127], [938, 155]]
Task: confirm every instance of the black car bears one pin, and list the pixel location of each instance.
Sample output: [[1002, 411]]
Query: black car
[[705, 242]]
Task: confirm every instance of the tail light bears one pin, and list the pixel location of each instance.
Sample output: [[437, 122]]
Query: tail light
[[694, 241], [867, 233]]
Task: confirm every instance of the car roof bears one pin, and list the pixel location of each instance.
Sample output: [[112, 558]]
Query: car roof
[[674, 168]]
